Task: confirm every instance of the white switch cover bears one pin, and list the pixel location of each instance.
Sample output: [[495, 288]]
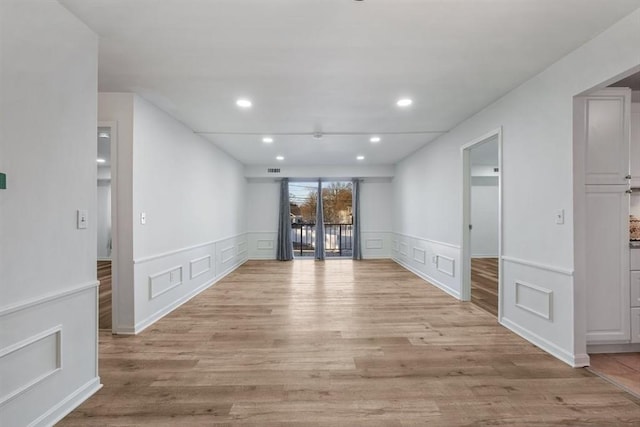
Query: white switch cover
[[143, 218], [560, 216], [82, 219]]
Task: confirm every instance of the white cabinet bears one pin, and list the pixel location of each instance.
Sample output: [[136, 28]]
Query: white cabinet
[[635, 325], [607, 135], [607, 269], [635, 288], [635, 295], [635, 145]]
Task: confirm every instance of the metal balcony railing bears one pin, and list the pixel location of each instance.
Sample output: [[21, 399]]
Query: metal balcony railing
[[338, 240]]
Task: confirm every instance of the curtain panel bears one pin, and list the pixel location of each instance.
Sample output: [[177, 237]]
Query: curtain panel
[[357, 246], [285, 248]]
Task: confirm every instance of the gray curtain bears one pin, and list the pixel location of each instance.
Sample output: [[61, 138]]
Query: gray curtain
[[319, 250], [357, 244], [285, 248]]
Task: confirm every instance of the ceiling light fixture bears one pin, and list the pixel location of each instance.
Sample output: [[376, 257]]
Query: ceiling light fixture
[[360, 157], [244, 103], [375, 139], [267, 140], [101, 161], [280, 158], [404, 102]]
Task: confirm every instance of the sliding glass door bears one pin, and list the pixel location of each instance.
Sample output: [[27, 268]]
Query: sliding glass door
[[338, 217]]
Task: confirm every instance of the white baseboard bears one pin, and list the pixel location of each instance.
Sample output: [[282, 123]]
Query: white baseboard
[[573, 360], [430, 279], [70, 403], [143, 324]]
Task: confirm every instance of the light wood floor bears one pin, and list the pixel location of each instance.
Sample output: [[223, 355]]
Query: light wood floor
[[484, 283], [338, 343], [104, 299], [620, 368]]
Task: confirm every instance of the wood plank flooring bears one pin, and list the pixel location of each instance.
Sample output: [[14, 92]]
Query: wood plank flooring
[[484, 283], [620, 368], [338, 343], [104, 298]]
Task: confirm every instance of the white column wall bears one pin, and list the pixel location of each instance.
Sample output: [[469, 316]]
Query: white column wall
[[48, 289]]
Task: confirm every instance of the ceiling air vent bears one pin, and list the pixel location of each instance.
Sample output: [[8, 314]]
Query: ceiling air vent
[[273, 170]]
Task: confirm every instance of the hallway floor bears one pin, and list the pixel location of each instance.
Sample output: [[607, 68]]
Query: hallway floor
[[104, 299], [484, 283], [338, 343], [622, 369]]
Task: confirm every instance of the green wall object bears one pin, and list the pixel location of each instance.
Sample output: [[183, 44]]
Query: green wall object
[[3, 181]]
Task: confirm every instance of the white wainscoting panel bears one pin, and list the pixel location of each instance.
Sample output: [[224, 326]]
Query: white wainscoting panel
[[199, 266], [168, 287], [227, 254], [48, 356], [420, 255], [534, 299], [537, 303], [42, 352], [163, 282], [432, 260], [375, 244], [446, 265], [262, 244]]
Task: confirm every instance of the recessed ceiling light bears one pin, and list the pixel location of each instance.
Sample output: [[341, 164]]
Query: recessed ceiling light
[[279, 157], [375, 139], [404, 102], [103, 135], [267, 140], [244, 103], [360, 157], [101, 160]]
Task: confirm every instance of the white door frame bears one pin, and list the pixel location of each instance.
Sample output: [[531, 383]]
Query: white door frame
[[466, 215], [114, 218]]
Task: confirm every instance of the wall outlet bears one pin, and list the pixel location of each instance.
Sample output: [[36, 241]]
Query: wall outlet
[[82, 217], [560, 216]]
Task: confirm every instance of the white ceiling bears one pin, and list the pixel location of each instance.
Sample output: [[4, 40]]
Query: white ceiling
[[335, 66]]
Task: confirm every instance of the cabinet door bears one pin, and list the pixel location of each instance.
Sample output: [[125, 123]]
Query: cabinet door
[[635, 288], [607, 136], [635, 325], [608, 298], [634, 149]]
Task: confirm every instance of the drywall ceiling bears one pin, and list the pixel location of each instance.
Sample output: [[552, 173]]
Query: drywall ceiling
[[334, 66]]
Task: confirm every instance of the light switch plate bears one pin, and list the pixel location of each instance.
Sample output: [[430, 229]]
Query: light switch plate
[[143, 218], [82, 219], [560, 216]]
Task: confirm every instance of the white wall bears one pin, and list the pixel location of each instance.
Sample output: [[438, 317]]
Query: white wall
[[104, 219], [193, 196], [537, 173], [484, 217], [48, 318], [262, 216]]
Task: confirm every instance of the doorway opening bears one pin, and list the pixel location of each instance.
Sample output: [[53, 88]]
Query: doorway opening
[[337, 199], [482, 219], [106, 224]]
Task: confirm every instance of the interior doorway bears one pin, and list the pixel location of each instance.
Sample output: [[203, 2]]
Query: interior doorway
[[105, 223], [482, 219]]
